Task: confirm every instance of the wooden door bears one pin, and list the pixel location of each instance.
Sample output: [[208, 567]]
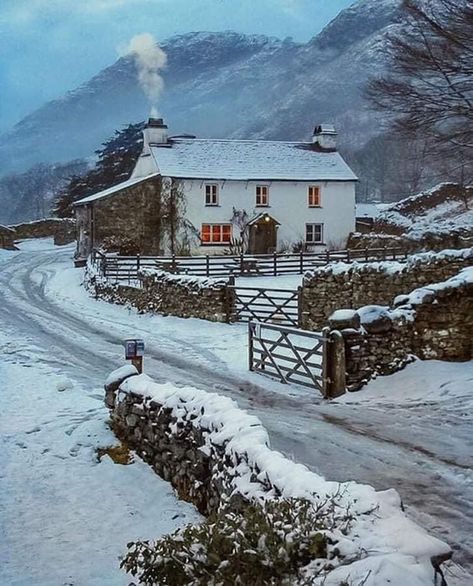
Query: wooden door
[[263, 237]]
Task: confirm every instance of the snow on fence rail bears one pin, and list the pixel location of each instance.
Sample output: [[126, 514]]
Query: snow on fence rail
[[126, 268]]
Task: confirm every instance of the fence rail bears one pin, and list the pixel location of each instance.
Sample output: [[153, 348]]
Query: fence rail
[[126, 268]]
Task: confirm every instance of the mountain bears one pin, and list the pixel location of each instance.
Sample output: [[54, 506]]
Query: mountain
[[224, 85]]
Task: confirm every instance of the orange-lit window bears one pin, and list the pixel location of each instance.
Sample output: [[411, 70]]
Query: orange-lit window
[[216, 233], [262, 192], [211, 194], [314, 196]]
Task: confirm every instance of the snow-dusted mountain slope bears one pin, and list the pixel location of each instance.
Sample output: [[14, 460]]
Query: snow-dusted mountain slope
[[221, 85], [442, 211]]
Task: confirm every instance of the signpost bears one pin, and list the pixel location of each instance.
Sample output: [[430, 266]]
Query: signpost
[[134, 351]]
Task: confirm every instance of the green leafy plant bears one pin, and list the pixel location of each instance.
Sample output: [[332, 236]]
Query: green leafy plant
[[263, 544]]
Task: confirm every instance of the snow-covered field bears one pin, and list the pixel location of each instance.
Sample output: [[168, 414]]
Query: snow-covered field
[[410, 431]]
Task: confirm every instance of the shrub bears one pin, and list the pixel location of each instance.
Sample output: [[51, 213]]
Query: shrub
[[263, 544]]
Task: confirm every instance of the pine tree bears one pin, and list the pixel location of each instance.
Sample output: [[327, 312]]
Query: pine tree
[[115, 162]]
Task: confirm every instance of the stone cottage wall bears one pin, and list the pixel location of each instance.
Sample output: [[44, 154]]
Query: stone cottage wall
[[434, 322], [350, 286], [168, 294], [134, 215]]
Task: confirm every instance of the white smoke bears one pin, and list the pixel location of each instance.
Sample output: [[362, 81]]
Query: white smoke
[[149, 59]]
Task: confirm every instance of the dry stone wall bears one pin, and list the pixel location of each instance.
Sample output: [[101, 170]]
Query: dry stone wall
[[168, 294], [350, 286], [62, 229], [433, 322]]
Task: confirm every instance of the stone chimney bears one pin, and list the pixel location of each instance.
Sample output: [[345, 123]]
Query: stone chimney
[[325, 137], [154, 133]]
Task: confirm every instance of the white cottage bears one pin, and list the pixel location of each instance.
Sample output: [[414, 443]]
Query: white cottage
[[271, 194]]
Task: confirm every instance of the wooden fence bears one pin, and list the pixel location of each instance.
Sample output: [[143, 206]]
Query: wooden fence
[[126, 268]]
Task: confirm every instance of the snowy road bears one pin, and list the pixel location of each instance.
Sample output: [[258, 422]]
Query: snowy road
[[411, 431]]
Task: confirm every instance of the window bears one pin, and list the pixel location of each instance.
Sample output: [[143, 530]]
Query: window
[[211, 194], [216, 233], [314, 196], [262, 195], [314, 233]]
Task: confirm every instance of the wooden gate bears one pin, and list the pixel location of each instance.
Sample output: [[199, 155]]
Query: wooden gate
[[278, 306], [290, 355]]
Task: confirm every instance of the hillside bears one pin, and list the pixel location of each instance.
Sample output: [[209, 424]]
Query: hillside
[[223, 85], [439, 218]]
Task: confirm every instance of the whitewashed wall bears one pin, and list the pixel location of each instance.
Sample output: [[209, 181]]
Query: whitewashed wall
[[288, 204]]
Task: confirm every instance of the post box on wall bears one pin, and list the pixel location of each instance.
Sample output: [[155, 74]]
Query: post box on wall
[[134, 351]]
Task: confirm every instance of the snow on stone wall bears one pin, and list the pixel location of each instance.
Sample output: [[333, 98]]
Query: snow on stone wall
[[350, 286], [214, 453], [432, 322], [166, 293]]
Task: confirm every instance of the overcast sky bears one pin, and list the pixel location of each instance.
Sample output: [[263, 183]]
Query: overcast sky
[[50, 46]]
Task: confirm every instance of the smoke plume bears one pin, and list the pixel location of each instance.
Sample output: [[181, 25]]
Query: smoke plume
[[149, 59]]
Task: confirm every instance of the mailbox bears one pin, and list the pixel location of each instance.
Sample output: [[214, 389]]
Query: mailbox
[[134, 351]]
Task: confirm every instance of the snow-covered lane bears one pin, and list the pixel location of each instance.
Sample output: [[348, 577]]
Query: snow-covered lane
[[65, 517], [418, 441]]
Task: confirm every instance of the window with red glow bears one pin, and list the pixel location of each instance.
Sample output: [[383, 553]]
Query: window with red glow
[[216, 233]]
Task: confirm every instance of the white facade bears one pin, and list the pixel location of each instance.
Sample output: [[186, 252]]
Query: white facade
[[288, 204], [291, 194]]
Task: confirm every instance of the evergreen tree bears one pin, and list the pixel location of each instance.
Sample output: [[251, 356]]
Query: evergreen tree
[[115, 162]]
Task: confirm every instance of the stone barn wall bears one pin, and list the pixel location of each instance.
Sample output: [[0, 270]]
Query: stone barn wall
[[130, 218], [350, 286], [7, 237]]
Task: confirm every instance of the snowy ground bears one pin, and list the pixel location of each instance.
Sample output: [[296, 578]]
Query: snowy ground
[[410, 431]]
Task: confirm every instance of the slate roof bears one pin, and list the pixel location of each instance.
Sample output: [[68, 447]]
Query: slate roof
[[112, 190], [249, 160]]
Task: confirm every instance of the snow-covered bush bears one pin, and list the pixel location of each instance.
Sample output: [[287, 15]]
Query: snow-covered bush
[[265, 543]]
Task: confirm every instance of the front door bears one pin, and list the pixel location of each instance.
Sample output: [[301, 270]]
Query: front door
[[263, 236]]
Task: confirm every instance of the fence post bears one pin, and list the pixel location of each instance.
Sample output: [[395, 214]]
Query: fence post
[[173, 264], [241, 263], [275, 264], [327, 256], [299, 306], [301, 262], [250, 345], [366, 254], [348, 255], [336, 367], [104, 267], [138, 264], [207, 265], [230, 299], [384, 252]]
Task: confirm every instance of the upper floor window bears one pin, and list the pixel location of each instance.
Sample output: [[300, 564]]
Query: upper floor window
[[314, 233], [314, 196], [216, 233], [211, 194], [262, 195]]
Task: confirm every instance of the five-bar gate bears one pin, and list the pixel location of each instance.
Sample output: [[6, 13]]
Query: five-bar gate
[[290, 355], [278, 306]]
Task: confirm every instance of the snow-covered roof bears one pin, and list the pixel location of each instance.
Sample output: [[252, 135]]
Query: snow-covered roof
[[249, 160], [112, 190]]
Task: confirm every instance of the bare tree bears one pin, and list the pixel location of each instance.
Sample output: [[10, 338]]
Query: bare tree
[[429, 88]]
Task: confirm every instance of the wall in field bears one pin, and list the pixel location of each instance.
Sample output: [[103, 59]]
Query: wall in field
[[62, 229]]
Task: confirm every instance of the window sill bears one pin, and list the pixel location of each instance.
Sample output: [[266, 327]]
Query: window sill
[[212, 205], [315, 244], [210, 244], [316, 207]]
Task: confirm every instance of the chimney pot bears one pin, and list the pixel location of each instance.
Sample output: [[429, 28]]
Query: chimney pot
[[325, 137], [154, 133]]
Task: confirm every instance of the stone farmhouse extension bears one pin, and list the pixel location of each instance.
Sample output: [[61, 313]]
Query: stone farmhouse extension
[[202, 196]]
